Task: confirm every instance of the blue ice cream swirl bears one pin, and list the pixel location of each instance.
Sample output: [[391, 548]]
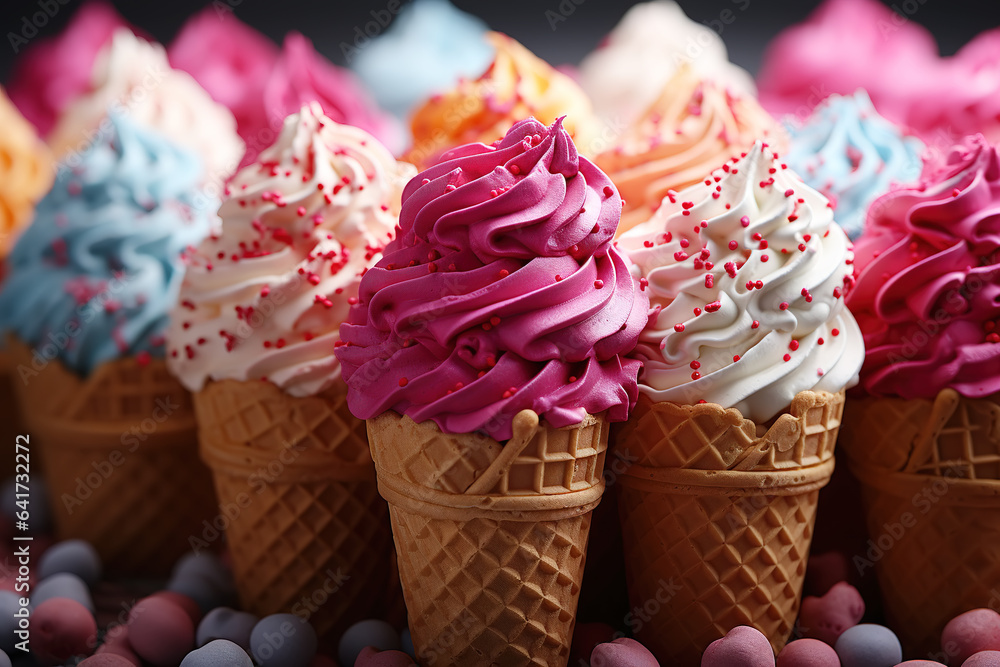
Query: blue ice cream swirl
[[425, 51], [852, 155], [93, 277]]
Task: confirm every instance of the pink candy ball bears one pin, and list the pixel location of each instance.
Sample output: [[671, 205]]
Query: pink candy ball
[[808, 653], [827, 618], [182, 601], [970, 633], [623, 652], [106, 660], [160, 631], [920, 663], [62, 628], [116, 643], [742, 646], [372, 657], [983, 659]]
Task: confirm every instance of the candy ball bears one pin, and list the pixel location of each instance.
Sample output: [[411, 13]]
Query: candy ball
[[226, 623], [183, 601], [160, 632], [920, 663], [869, 645], [62, 628], [62, 585], [106, 660], [372, 632], [372, 657], [827, 617], [116, 643], [218, 653], [970, 633], [203, 564], [623, 652], [808, 653], [4, 659], [74, 557], [983, 659], [283, 640], [742, 646]]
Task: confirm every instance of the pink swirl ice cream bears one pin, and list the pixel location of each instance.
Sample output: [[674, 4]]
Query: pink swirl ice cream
[[231, 61], [747, 275], [845, 45], [928, 280], [54, 71], [264, 298], [302, 75], [502, 292]]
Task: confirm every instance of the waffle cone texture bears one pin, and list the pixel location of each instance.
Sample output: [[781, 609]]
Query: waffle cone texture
[[120, 454], [307, 530], [930, 477], [717, 516], [491, 538]]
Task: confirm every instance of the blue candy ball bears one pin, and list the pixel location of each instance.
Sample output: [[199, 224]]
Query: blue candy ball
[[62, 585], [74, 557], [218, 653], [229, 624], [869, 645], [283, 640], [371, 632]]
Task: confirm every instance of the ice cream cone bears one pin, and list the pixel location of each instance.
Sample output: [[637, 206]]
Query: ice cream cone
[[930, 474], [119, 450], [491, 538], [306, 527], [717, 516]]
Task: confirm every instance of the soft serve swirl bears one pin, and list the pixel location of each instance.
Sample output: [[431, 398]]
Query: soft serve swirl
[[927, 296], [264, 298], [97, 271], [747, 272], [852, 155], [502, 292]]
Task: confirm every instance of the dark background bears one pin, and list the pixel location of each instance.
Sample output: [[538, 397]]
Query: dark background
[[328, 23]]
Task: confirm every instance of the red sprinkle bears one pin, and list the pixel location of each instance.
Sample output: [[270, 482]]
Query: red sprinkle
[[755, 324], [695, 364], [403, 382], [835, 332], [678, 328], [787, 357], [783, 305], [794, 345]]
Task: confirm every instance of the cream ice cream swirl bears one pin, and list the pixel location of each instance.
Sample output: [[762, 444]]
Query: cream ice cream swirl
[[264, 298], [747, 273]]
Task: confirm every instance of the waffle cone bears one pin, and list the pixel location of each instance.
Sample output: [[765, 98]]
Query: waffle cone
[[491, 539], [717, 516], [930, 477], [120, 454], [306, 528]]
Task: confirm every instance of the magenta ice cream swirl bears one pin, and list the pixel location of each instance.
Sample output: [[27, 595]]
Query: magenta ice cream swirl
[[928, 280], [501, 292]]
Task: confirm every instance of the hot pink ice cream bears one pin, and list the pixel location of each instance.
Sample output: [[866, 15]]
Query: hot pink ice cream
[[53, 72], [927, 296], [502, 292], [232, 61], [845, 45]]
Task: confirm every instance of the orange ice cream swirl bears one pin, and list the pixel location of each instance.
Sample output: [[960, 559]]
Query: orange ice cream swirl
[[518, 84], [25, 172], [692, 128]]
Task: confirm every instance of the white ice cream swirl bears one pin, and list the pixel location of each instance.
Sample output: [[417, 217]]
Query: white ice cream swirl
[[747, 274], [265, 298]]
